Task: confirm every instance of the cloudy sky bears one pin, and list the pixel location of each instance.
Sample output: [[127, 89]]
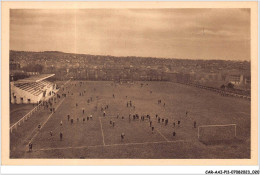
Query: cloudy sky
[[166, 33]]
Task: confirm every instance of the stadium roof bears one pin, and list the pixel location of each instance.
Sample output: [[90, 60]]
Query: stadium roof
[[35, 78]]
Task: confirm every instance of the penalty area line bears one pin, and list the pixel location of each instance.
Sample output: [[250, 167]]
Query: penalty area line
[[162, 135]]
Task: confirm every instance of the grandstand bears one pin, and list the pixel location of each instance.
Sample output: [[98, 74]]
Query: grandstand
[[32, 90]]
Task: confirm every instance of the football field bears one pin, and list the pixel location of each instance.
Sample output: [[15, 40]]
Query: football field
[[96, 137]]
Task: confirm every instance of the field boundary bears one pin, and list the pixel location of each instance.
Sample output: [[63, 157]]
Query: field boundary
[[47, 119], [216, 90], [110, 145], [102, 131], [25, 117]]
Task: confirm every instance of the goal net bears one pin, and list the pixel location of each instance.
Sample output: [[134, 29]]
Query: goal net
[[215, 133]]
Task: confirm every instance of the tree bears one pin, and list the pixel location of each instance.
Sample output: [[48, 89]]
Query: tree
[[222, 86]]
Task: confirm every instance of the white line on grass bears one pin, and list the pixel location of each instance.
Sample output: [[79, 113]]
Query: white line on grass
[[111, 145], [102, 131], [143, 143], [46, 121], [162, 135], [78, 147]]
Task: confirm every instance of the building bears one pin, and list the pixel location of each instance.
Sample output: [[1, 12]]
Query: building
[[236, 79], [32, 90]]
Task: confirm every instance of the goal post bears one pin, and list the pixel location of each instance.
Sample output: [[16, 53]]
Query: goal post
[[209, 133]]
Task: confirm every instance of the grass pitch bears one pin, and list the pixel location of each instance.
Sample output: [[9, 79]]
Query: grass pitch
[[97, 138]]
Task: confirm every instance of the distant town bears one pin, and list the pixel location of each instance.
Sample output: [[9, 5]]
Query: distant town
[[222, 74]]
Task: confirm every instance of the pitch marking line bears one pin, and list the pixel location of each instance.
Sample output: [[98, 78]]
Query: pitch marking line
[[162, 135], [102, 131], [46, 121], [111, 145]]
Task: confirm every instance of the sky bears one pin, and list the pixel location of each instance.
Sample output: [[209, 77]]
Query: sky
[[164, 33]]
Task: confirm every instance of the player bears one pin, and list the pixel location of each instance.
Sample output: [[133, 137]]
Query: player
[[61, 123], [30, 147], [152, 129], [166, 122], [174, 134], [122, 136], [51, 133], [179, 122], [113, 124], [150, 123], [68, 117], [194, 124], [61, 136]]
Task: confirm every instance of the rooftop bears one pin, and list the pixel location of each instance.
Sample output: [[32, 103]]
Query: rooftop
[[35, 78]]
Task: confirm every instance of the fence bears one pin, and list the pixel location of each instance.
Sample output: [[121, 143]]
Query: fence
[[24, 118], [221, 92], [29, 114]]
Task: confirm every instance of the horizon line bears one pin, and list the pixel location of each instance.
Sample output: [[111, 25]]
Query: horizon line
[[166, 58]]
